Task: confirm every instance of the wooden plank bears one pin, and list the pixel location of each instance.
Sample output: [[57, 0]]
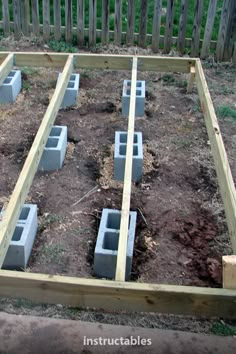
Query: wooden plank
[[169, 26], [130, 22], [17, 21], [191, 79], [118, 21], [92, 22], [124, 223], [229, 272], [69, 24], [119, 296], [156, 25], [46, 19], [225, 14], [25, 17], [6, 17], [57, 19], [231, 33], [197, 28], [222, 167], [35, 16], [143, 23], [181, 46], [80, 22], [6, 67], [25, 179], [105, 22], [209, 28]]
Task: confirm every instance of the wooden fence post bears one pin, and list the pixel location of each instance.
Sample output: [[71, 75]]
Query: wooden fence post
[[6, 18], [209, 28], [69, 24], [225, 14], [46, 19], [182, 26], [57, 19], [130, 22], [143, 23], [17, 21], [230, 33], [169, 26], [156, 25], [80, 22], [35, 17], [105, 22], [92, 22], [197, 28], [25, 16], [118, 21]]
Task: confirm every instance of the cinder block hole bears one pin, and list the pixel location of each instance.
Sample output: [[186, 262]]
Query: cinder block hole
[[138, 92], [52, 143], [55, 131], [113, 221], [7, 80], [122, 150], [72, 78], [24, 213], [71, 84], [12, 73], [139, 84], [110, 241], [17, 233], [123, 138]]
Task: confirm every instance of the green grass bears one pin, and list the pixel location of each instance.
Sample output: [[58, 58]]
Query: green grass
[[222, 329], [226, 112], [190, 19]]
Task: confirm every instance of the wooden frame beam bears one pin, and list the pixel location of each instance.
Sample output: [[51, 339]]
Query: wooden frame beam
[[191, 79], [124, 222], [229, 272], [116, 295], [6, 67], [23, 184]]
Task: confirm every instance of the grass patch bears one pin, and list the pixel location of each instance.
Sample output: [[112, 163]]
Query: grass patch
[[47, 220], [61, 46], [226, 112], [53, 253], [222, 329], [170, 80]]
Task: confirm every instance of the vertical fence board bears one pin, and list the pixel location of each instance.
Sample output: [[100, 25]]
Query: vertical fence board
[[25, 17], [17, 22], [80, 22], [197, 28], [35, 16], [182, 26], [46, 19], [118, 21], [57, 19], [223, 30], [92, 22], [6, 17], [169, 26], [143, 23], [209, 28], [69, 24], [130, 22], [231, 32], [156, 25], [105, 21]]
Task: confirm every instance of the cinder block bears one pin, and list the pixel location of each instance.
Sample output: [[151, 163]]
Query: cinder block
[[11, 87], [71, 94], [55, 149], [140, 98], [120, 152], [23, 238], [105, 255]]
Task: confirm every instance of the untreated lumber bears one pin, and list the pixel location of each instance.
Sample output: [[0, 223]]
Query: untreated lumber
[[191, 79], [12, 212], [224, 175], [124, 223], [229, 272], [6, 67]]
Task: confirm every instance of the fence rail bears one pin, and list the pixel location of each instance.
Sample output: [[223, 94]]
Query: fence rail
[[90, 21]]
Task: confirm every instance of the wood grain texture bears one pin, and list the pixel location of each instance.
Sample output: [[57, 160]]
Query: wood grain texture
[[46, 19], [17, 19], [197, 28], [156, 25], [118, 21], [69, 24], [130, 22], [229, 272], [35, 17], [225, 15], [80, 22], [208, 28], [182, 26], [25, 16], [57, 19], [105, 22], [92, 22], [143, 23], [169, 26]]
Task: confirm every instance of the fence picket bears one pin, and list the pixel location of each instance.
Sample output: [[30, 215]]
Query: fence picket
[[130, 22], [209, 28], [118, 21], [6, 17], [156, 25], [143, 23], [17, 19], [105, 21], [182, 26], [197, 28], [35, 17], [57, 19], [68, 18], [231, 32], [80, 22], [25, 16], [46, 19], [169, 25], [92, 22]]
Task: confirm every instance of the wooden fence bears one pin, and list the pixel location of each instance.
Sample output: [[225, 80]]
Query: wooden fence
[[23, 18]]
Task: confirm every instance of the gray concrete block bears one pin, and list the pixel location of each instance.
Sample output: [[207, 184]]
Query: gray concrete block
[[120, 152], [11, 87], [71, 94], [140, 98], [23, 238], [55, 149], [105, 255]]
